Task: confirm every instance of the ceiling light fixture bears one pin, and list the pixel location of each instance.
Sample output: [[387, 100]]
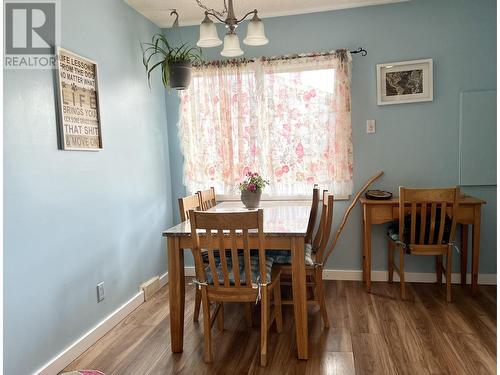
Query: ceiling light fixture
[[209, 37]]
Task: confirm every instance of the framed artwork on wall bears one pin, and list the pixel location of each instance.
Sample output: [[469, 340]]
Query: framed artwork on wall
[[78, 97], [404, 82]]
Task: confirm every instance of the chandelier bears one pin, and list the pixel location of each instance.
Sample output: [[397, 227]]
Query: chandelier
[[208, 32]]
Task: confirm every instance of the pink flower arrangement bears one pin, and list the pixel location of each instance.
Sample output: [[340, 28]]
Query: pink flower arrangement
[[253, 182]]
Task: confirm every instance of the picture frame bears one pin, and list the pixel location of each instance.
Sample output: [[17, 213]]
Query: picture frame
[[79, 114], [405, 82]]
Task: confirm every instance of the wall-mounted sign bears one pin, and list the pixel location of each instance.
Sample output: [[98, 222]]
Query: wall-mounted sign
[[79, 116]]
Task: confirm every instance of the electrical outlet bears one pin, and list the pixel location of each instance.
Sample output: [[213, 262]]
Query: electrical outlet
[[100, 292], [370, 126]]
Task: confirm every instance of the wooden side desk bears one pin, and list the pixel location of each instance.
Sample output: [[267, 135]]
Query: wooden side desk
[[383, 211]]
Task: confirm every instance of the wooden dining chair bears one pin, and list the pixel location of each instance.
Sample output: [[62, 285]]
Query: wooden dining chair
[[191, 202], [207, 198], [313, 214], [235, 275], [186, 204], [426, 226], [321, 253], [312, 258]]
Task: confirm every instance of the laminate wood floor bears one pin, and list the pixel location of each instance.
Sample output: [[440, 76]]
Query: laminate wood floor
[[374, 333]]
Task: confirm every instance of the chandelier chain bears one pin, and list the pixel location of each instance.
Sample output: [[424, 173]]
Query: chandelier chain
[[220, 14]]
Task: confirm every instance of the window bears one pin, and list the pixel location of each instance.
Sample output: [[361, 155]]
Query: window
[[288, 119]]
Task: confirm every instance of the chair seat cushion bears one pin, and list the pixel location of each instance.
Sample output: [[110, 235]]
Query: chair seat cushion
[[285, 256], [254, 265]]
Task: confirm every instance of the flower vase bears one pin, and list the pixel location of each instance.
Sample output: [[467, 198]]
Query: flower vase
[[251, 199]]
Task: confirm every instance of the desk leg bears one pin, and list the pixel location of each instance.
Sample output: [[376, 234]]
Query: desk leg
[[463, 253], [176, 285], [476, 229], [367, 240], [299, 296]]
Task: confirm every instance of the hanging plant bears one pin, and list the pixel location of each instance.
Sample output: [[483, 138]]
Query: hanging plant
[[175, 62]]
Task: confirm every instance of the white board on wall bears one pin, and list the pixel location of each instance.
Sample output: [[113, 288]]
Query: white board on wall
[[477, 138]]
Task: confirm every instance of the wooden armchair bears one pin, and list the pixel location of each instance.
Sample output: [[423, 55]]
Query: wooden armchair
[[427, 225], [234, 275]]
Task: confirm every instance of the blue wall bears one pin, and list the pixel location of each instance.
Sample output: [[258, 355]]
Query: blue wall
[[73, 219], [415, 144]]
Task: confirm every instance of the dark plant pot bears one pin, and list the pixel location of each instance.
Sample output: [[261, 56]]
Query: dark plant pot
[[179, 74], [251, 199]]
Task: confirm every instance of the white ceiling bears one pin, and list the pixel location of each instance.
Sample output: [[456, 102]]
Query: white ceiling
[[158, 11]]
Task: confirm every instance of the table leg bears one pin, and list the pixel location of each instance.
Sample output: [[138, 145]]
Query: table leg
[[476, 228], [176, 285], [463, 253], [299, 296], [367, 239]]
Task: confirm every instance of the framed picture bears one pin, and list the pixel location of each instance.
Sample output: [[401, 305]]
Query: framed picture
[[78, 97], [404, 82]]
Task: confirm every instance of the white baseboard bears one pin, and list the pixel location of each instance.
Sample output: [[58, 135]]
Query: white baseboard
[[164, 279], [413, 277], [58, 363]]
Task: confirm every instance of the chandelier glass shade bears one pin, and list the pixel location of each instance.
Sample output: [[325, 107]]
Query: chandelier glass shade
[[208, 34], [231, 46]]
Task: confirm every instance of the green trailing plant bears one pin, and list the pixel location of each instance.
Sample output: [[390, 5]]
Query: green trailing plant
[[167, 54]]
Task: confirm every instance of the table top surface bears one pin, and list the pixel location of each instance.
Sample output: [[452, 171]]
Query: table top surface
[[281, 218], [464, 199]]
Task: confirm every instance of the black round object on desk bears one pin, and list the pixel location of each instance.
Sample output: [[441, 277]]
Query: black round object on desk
[[378, 195]]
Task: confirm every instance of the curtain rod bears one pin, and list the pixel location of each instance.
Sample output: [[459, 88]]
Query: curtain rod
[[359, 50]]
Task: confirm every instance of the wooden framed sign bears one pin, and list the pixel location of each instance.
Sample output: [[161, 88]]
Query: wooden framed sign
[[78, 94]]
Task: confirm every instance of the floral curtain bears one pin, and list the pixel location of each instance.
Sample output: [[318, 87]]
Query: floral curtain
[[288, 119]]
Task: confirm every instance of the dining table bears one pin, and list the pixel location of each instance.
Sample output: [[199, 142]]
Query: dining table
[[285, 226]]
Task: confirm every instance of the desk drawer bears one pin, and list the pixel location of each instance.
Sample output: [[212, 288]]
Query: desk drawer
[[380, 214]]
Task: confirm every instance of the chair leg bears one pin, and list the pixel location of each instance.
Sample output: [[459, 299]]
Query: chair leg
[[278, 316], [248, 313], [390, 261], [318, 279], [207, 352], [448, 274], [197, 304], [402, 272], [439, 269], [220, 317], [264, 314]]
